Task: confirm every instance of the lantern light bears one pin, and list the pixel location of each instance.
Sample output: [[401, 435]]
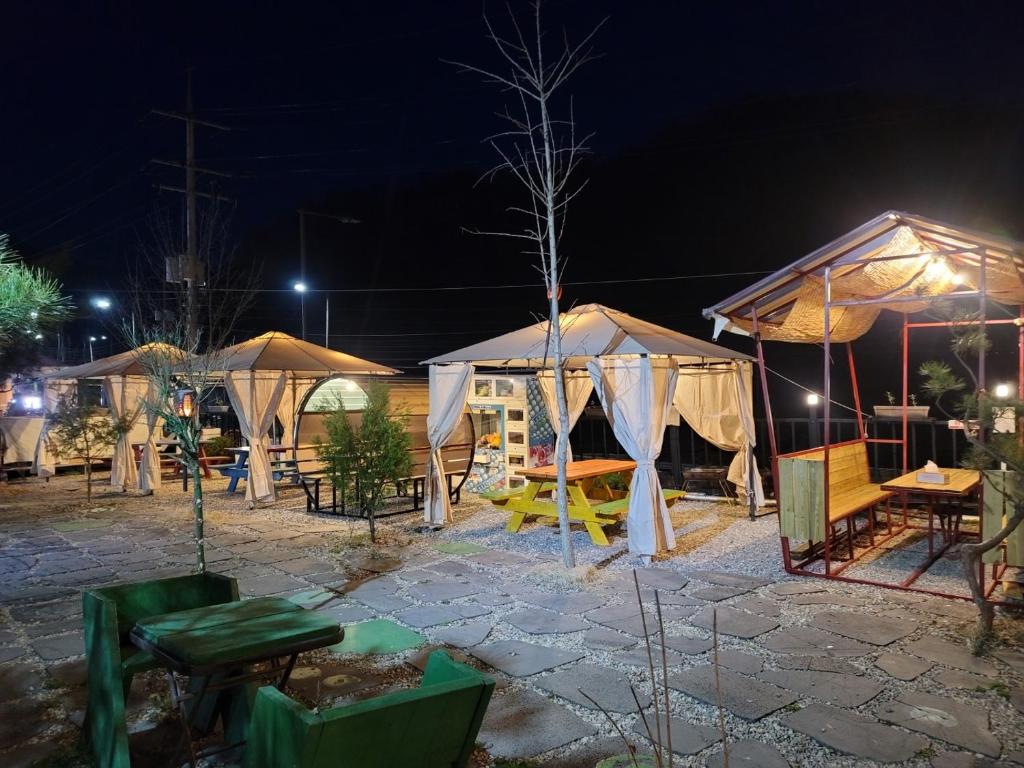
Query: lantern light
[[1002, 391], [184, 402]]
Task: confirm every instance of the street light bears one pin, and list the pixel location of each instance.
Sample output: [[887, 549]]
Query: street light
[[300, 288], [812, 400], [101, 302], [91, 340], [1002, 391]]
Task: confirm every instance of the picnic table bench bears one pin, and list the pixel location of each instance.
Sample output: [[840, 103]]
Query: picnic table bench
[[239, 469], [591, 500]]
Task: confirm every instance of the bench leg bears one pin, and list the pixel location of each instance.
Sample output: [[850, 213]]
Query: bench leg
[[849, 534], [515, 522], [871, 525], [596, 532]]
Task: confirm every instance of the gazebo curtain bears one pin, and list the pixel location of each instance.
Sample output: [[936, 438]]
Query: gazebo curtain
[[578, 387], [45, 461], [149, 468], [255, 397], [125, 396], [294, 391], [716, 402], [449, 390], [636, 394]]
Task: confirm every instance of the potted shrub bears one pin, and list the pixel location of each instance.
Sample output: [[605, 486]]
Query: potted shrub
[[894, 410]]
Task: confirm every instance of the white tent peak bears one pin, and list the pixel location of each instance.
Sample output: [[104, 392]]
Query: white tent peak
[[128, 363], [277, 351]]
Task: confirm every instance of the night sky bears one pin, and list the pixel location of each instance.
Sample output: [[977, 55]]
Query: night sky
[[732, 138]]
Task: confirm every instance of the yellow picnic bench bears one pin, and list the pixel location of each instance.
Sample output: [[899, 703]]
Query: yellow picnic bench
[[591, 500]]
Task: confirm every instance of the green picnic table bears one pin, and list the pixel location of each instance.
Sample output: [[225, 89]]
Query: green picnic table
[[216, 646]]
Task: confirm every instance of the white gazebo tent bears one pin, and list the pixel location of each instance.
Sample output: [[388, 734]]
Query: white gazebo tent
[[269, 376], [641, 372], [126, 388]]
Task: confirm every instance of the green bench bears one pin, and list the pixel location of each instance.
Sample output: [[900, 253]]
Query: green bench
[[433, 726], [618, 506], [112, 661]]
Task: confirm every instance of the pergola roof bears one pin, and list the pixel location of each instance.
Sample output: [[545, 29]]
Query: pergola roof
[[122, 364], [866, 266], [276, 351], [588, 331]]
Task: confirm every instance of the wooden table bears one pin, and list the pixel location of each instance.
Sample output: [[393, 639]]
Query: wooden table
[[962, 484], [591, 500], [215, 647], [240, 469]]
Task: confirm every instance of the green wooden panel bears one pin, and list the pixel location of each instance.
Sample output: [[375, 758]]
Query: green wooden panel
[[816, 499], [801, 499], [787, 504], [212, 617]]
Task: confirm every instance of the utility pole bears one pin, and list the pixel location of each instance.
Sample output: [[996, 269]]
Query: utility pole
[[191, 271], [302, 269]]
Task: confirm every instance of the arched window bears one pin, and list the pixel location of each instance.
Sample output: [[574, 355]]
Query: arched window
[[330, 393]]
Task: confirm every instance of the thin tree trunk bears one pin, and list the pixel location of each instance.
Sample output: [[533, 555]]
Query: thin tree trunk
[[88, 481], [970, 556], [197, 510]]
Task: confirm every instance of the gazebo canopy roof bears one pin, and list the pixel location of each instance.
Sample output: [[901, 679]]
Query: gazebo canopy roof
[[276, 351], [588, 331], [868, 266], [122, 364]]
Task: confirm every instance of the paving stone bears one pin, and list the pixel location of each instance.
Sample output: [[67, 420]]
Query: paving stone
[[18, 680], [573, 602], [8, 637], [745, 697], [610, 689], [270, 555], [748, 754], [953, 722], [812, 642], [1014, 659], [842, 690], [376, 564], [452, 568], [523, 724], [497, 558], [951, 655], [1017, 699], [431, 615], [11, 652], [661, 578], [21, 720], [669, 598], [901, 666], [625, 618], [953, 760], [383, 603], [465, 635], [270, 585], [304, 566], [458, 548], [69, 673], [31, 755], [541, 622], [828, 598], [30, 614], [688, 644], [439, 591], [954, 678], [818, 664], [590, 753], [715, 594], [59, 647], [637, 657], [687, 738], [606, 640], [519, 659], [493, 601], [52, 627], [377, 637], [734, 623], [854, 734], [864, 627], [738, 661], [731, 579], [760, 605]]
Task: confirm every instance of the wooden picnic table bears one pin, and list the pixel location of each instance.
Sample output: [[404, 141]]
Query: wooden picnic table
[[216, 645], [240, 469], [962, 484], [591, 500]]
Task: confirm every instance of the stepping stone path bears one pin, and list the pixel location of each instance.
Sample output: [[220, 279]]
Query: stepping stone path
[[854, 734], [812, 642], [818, 664], [760, 605], [861, 626], [452, 568], [950, 655], [738, 661], [458, 548], [687, 643], [541, 622], [668, 598], [522, 724], [834, 688], [748, 754], [638, 657], [954, 678], [734, 623], [519, 659], [687, 738], [625, 618], [464, 636], [787, 588], [377, 637], [501, 559], [574, 602], [440, 591], [715, 594], [59, 647], [661, 578], [731, 579], [901, 666], [606, 640], [828, 598], [610, 689], [953, 722], [432, 615], [745, 697]]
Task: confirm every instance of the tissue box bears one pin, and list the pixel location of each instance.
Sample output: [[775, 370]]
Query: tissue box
[[938, 478]]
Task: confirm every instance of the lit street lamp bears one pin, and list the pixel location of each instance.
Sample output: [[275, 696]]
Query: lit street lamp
[[812, 424], [101, 302], [91, 340], [300, 288]]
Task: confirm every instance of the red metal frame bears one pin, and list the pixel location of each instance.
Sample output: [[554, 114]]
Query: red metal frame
[[833, 572]]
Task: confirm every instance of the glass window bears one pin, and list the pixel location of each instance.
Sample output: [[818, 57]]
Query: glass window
[[516, 438], [515, 414], [482, 387], [488, 427], [333, 391], [504, 388]]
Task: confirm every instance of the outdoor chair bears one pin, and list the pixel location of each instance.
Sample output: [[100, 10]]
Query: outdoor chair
[[112, 661], [433, 726]]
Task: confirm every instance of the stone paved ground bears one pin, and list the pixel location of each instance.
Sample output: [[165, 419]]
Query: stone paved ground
[[811, 673]]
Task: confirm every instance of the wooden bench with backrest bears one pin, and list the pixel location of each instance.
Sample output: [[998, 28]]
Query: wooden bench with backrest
[[802, 490]]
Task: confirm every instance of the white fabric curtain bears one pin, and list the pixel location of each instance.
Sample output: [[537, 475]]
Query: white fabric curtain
[[578, 387], [255, 397], [449, 390], [717, 403], [149, 468], [45, 462], [287, 412], [636, 394], [125, 396]]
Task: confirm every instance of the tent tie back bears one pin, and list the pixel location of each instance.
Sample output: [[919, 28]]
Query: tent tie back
[[644, 463]]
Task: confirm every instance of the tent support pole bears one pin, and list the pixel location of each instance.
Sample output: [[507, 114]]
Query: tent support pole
[[772, 444], [906, 385], [856, 391], [827, 418]]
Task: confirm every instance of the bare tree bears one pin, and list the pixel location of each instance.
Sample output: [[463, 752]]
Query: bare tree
[[542, 154]]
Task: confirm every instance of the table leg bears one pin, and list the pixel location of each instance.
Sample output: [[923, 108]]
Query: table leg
[[204, 462], [931, 529]]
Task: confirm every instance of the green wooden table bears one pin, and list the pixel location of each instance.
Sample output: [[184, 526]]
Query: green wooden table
[[216, 647]]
